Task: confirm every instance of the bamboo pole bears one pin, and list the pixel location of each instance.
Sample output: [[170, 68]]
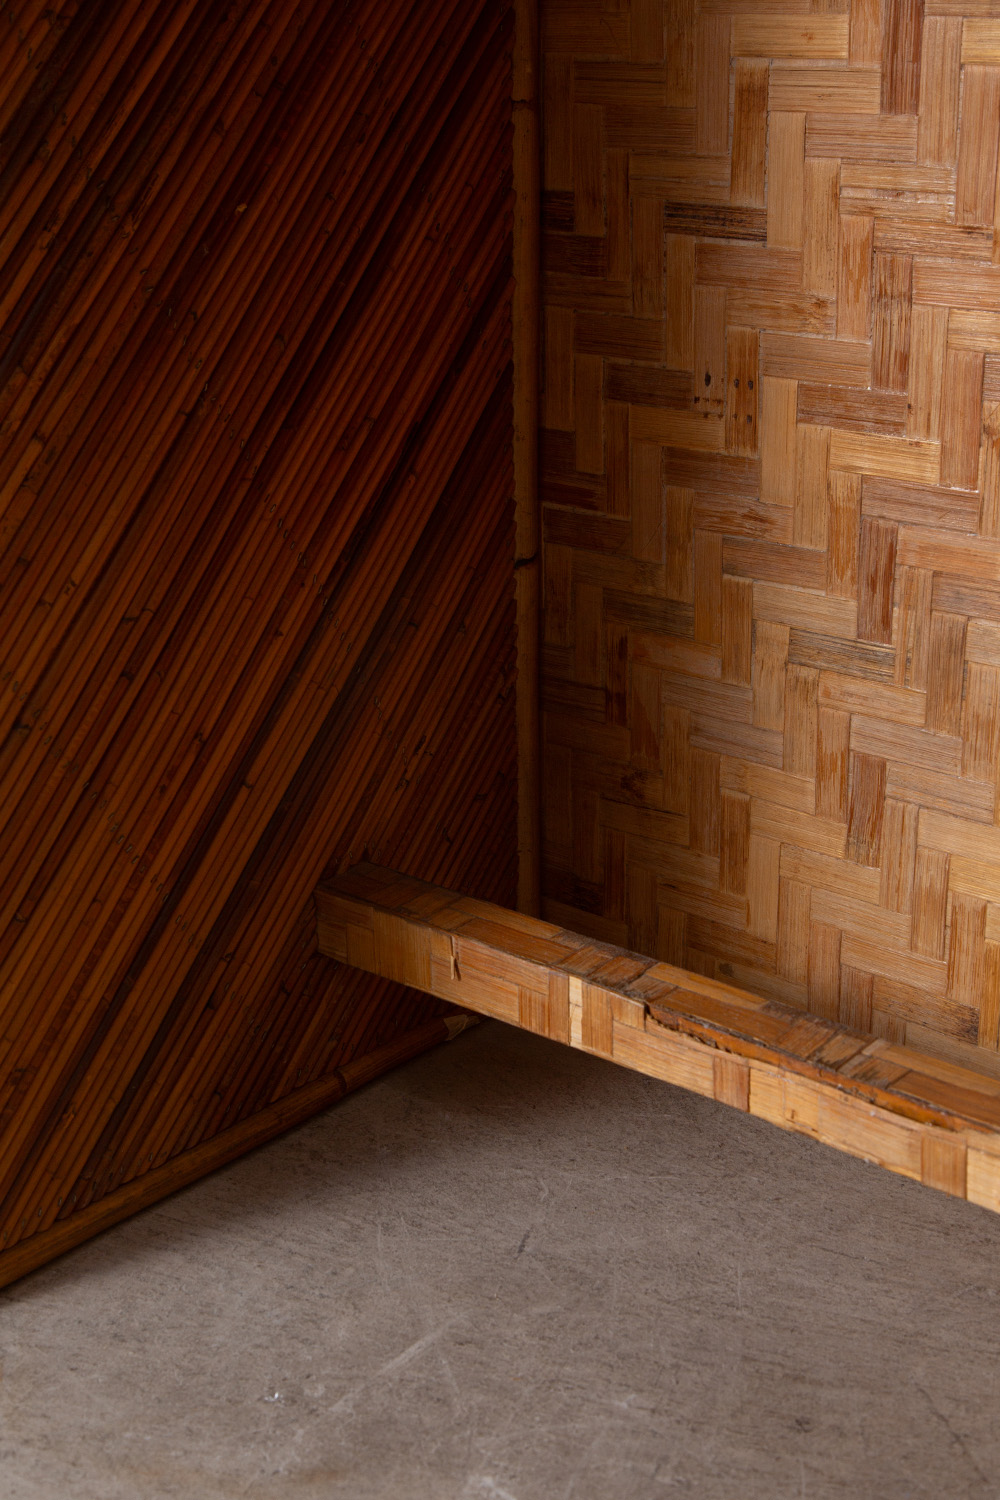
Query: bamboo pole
[[527, 193]]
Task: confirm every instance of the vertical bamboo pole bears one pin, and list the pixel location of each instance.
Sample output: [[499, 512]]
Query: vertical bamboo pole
[[525, 334]]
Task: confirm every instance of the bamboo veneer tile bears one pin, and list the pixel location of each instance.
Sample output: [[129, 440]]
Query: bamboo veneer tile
[[973, 288], [904, 745], [967, 875], [800, 728], [778, 454], [708, 569], [812, 612], [875, 699], [855, 999], [787, 36], [785, 310], [823, 361], [888, 138], [838, 653], [854, 278], [737, 629], [557, 143], [712, 54], [891, 321], [961, 417], [832, 763], [820, 233], [982, 642], [977, 157], [925, 976], [770, 655], [930, 902], [937, 127], [709, 355], [678, 328], [945, 676], [966, 949], [855, 408], [876, 568], [901, 57], [811, 508], [742, 390], [865, 37], [980, 40], [588, 170], [734, 843], [786, 179], [820, 835], [852, 90], [557, 397], [824, 970], [989, 516], [844, 521], [792, 945], [885, 456], [565, 31], [981, 722], [866, 808], [749, 143], [899, 847], [929, 330], [989, 1008], [970, 596]]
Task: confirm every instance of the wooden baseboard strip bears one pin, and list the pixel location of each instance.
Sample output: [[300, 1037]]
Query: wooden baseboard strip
[[917, 1115]]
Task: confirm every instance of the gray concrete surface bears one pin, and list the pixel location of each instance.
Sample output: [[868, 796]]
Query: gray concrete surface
[[511, 1272]]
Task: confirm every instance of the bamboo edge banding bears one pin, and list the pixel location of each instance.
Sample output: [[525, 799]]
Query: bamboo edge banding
[[916, 1115], [283, 1114], [526, 414]]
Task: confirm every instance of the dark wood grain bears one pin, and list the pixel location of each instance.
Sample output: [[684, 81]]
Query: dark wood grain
[[256, 559]]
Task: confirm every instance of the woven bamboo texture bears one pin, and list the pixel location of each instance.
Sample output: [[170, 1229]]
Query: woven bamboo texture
[[771, 485], [256, 560], [914, 1114]]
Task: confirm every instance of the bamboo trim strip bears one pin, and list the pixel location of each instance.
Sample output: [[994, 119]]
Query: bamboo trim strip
[[264, 1125], [912, 1113], [527, 188]]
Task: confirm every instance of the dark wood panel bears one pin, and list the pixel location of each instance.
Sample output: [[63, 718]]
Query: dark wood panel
[[256, 558]]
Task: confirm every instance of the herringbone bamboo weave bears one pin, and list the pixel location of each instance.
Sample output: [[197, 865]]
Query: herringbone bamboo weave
[[771, 476]]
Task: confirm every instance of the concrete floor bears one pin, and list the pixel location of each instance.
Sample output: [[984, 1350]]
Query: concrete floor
[[511, 1272]]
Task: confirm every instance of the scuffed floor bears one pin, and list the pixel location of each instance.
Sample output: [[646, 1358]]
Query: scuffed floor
[[510, 1272]]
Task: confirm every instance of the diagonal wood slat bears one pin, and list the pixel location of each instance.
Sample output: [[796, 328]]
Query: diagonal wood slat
[[771, 480], [257, 606]]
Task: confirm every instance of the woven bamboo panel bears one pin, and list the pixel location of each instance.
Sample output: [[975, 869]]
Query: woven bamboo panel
[[256, 559], [771, 476]]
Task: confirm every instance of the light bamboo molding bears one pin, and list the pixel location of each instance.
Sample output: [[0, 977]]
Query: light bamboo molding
[[915, 1114]]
